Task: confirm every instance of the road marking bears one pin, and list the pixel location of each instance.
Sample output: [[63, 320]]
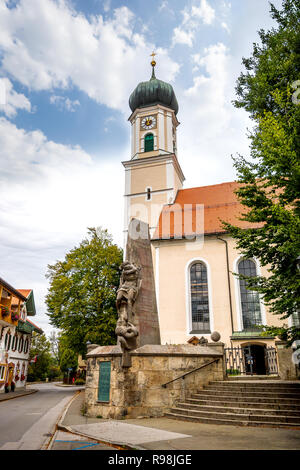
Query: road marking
[[83, 447]]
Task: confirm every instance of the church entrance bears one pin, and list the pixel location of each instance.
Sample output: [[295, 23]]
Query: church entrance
[[251, 359], [255, 359]]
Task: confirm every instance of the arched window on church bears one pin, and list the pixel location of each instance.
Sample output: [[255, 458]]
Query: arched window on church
[[149, 142], [199, 298], [250, 301]]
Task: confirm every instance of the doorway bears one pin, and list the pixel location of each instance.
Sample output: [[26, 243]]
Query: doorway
[[255, 363]]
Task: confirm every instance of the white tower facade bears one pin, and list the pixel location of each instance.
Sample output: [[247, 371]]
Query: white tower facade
[[153, 174]]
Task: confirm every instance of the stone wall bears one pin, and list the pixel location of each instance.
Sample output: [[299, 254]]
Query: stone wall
[[137, 391], [286, 368]]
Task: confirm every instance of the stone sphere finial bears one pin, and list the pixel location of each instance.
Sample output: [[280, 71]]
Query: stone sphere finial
[[215, 336]]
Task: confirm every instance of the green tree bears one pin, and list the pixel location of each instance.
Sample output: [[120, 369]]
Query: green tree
[[40, 347], [68, 358], [82, 292], [54, 346], [270, 180]]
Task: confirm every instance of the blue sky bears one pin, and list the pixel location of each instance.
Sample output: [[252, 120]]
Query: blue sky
[[67, 69]]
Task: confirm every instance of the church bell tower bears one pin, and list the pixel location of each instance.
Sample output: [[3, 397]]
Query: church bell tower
[[153, 174]]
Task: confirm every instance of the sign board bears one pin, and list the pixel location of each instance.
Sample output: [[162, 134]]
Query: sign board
[[104, 381]]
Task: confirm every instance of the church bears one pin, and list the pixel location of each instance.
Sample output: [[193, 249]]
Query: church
[[193, 257]]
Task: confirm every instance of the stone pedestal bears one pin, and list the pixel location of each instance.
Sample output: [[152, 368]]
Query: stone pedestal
[[286, 368], [138, 251], [138, 391]]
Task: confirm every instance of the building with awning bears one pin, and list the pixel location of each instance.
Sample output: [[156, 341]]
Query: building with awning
[[16, 330]]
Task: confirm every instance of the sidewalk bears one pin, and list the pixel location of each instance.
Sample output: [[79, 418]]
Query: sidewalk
[[17, 393], [168, 434]]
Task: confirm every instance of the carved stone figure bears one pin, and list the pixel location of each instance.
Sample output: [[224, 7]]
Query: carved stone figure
[[203, 341], [127, 293]]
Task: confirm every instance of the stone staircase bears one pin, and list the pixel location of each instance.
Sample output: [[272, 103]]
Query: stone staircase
[[271, 403]]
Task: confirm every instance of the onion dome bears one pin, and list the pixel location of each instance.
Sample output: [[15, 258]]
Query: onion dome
[[153, 92]]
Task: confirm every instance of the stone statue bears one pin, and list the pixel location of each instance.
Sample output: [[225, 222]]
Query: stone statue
[[127, 293], [203, 341]]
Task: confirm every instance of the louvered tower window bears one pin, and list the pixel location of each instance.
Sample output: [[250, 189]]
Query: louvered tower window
[[149, 142]]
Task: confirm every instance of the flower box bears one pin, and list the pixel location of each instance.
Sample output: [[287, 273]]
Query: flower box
[[5, 311]]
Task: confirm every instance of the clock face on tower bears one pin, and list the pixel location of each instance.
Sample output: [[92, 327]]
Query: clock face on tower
[[148, 122]]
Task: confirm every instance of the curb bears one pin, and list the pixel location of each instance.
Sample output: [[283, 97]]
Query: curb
[[30, 392], [115, 445], [61, 427], [48, 444], [70, 386]]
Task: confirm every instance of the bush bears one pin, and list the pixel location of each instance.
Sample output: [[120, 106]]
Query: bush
[[79, 382], [233, 372]]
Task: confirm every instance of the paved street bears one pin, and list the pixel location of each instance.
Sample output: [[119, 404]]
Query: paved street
[[170, 434], [26, 422]]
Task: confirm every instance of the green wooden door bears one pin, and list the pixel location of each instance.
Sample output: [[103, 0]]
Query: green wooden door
[[104, 381]]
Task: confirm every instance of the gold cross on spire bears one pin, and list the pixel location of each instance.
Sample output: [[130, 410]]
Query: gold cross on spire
[[153, 63]]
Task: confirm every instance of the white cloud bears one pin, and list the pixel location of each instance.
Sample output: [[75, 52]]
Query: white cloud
[[204, 11], [64, 103], [182, 37], [47, 44], [106, 5], [163, 6], [212, 129], [185, 32], [50, 193], [10, 100], [208, 93], [225, 26]]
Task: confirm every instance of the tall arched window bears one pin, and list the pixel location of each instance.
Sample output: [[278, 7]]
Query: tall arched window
[[7, 340], [199, 298], [26, 344], [21, 343], [250, 302], [149, 142]]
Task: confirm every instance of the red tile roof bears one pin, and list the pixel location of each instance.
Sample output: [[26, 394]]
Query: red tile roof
[[219, 201], [25, 292]]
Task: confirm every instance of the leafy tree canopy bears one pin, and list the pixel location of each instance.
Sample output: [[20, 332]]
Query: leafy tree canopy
[[82, 292], [40, 347], [270, 90]]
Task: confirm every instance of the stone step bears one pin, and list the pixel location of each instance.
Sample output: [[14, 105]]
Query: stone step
[[253, 388], [239, 410], [248, 394], [244, 404], [228, 421], [238, 416], [252, 377], [246, 399], [259, 385]]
